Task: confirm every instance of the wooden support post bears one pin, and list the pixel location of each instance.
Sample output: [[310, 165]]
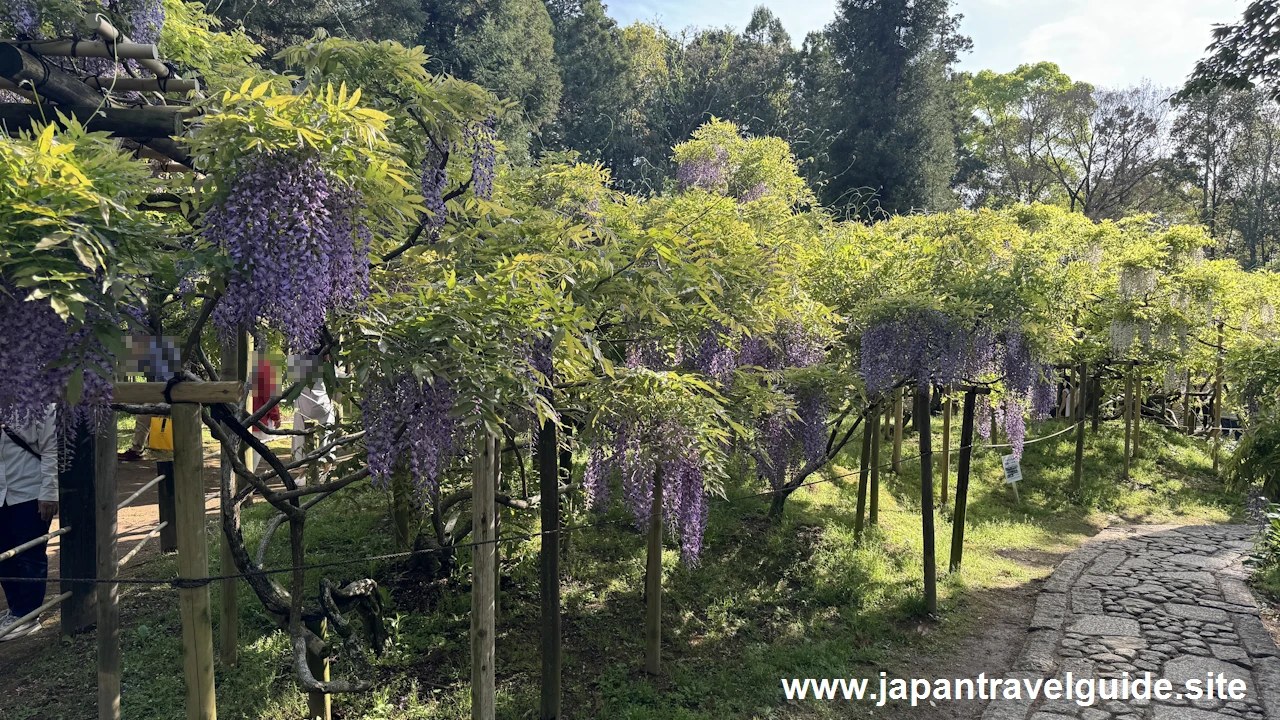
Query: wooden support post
[[193, 561], [962, 478], [1217, 403], [1095, 404], [1128, 422], [549, 557], [869, 428], [873, 506], [1077, 476], [897, 431], [944, 463], [167, 508], [104, 482], [1137, 412], [653, 584], [497, 530], [319, 705], [484, 534], [229, 621], [78, 556], [922, 417], [1188, 420]]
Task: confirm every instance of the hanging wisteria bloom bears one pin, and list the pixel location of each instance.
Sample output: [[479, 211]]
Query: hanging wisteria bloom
[[713, 357], [298, 244], [434, 177], [704, 173], [924, 345], [25, 16], [787, 442], [33, 340], [790, 345], [146, 20], [429, 433], [753, 193], [479, 137], [635, 454]]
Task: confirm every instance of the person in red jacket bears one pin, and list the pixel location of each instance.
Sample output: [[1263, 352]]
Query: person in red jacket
[[266, 384]]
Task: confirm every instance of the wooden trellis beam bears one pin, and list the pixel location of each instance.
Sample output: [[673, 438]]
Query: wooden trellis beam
[[88, 48], [142, 393]]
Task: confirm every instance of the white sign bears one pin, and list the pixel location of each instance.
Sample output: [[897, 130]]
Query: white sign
[[1012, 470]]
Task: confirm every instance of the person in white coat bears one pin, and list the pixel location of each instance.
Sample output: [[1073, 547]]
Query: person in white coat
[[28, 504]]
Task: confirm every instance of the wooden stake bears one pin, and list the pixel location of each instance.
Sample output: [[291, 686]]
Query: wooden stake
[[78, 552], [168, 509], [1188, 420], [319, 705], [869, 428], [229, 620], [193, 561], [897, 431], [1078, 475], [653, 584], [1217, 404], [484, 533], [945, 463], [548, 486], [962, 478], [1128, 422], [105, 516], [1137, 413], [922, 418], [873, 509]]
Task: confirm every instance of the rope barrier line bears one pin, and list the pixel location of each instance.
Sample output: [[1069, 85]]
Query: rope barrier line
[[195, 583]]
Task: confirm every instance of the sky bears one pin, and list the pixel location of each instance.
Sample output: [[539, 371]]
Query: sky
[[1109, 43]]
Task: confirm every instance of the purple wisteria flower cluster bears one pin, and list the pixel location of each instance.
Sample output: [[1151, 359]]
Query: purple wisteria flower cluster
[[479, 138], [753, 193], [25, 17], [146, 20], [637, 451], [704, 173], [713, 357], [434, 178], [786, 442], [430, 433], [298, 244], [33, 339]]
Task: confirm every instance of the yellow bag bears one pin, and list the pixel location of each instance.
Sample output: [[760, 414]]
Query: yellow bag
[[161, 437]]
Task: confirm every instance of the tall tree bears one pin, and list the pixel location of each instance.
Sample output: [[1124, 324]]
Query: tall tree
[[596, 111], [275, 25], [505, 46], [893, 109]]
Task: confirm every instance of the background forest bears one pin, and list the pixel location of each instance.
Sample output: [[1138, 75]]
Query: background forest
[[935, 139]]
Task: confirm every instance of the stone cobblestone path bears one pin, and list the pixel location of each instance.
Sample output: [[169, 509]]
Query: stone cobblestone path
[[1171, 601]]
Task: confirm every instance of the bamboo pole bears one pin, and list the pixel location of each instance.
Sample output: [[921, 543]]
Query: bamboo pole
[[869, 428], [1077, 476], [108, 601], [653, 584], [897, 431], [87, 48], [944, 464], [922, 418], [193, 561], [549, 556], [484, 534], [962, 478]]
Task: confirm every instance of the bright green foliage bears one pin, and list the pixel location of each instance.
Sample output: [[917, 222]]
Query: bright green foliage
[[72, 230], [764, 162], [197, 41]]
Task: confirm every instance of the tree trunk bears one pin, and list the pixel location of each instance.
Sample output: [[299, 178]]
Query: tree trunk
[[653, 584], [922, 418], [873, 509], [1217, 404]]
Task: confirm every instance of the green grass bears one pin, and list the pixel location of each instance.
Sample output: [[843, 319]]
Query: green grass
[[796, 598]]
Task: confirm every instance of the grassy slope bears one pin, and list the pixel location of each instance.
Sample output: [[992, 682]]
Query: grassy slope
[[798, 599]]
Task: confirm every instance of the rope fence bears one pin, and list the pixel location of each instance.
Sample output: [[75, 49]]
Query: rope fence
[[179, 583]]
